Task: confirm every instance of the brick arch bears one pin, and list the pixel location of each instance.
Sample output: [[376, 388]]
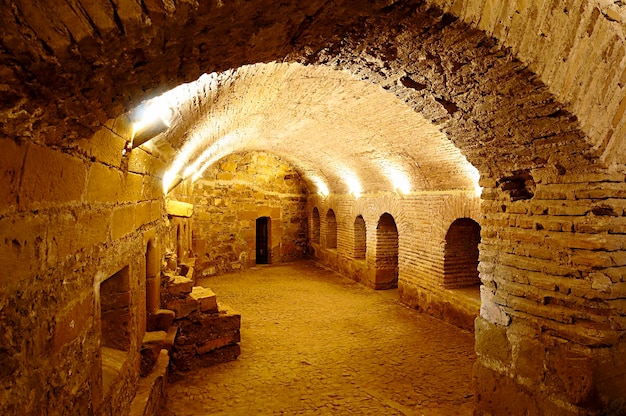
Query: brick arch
[[454, 75]]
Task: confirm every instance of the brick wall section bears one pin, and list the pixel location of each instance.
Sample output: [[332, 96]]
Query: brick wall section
[[422, 221], [230, 197], [69, 218], [330, 231]]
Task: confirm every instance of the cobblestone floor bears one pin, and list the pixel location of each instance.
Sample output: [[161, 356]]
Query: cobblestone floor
[[315, 343]]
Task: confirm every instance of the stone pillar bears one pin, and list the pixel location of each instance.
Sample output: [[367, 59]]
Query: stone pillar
[[549, 338]]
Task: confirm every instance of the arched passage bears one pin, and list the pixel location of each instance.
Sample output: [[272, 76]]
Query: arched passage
[[386, 253], [460, 265], [360, 238], [488, 103], [331, 229]]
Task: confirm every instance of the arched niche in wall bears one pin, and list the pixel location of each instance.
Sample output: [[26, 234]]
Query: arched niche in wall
[[386, 253], [360, 238], [460, 266], [331, 229], [315, 226]]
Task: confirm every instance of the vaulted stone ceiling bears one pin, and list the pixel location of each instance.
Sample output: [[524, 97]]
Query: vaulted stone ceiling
[[343, 134], [67, 67]]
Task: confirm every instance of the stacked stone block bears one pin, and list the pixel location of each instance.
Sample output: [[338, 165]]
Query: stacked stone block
[[207, 333]]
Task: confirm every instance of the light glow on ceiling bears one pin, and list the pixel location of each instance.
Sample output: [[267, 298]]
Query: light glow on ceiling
[[474, 174], [352, 181], [398, 178], [322, 188], [210, 155]]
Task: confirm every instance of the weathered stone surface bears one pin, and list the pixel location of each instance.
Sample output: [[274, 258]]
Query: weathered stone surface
[[160, 320], [182, 307], [179, 285], [229, 204], [179, 208], [205, 298]]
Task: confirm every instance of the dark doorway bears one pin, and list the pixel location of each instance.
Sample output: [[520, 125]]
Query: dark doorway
[[262, 240]]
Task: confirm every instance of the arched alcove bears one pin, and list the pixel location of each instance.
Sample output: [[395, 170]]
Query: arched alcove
[[360, 238], [331, 229], [386, 252], [460, 268], [315, 226]]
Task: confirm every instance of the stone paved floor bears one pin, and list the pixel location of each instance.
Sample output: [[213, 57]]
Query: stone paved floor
[[315, 343]]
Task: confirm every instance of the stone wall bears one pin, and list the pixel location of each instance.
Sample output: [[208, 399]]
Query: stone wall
[[422, 221], [228, 200], [71, 219]]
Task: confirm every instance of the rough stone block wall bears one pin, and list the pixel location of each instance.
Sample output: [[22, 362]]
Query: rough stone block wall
[[422, 221], [230, 197], [71, 217], [568, 45]]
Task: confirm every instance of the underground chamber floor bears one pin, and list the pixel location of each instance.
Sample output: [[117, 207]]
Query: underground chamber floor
[[313, 342]]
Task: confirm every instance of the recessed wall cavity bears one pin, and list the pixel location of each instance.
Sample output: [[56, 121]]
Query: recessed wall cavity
[[460, 267], [315, 226], [360, 238], [331, 229], [386, 252], [115, 321]]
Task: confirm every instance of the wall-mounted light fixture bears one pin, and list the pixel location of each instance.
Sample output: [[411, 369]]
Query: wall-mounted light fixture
[[148, 121]]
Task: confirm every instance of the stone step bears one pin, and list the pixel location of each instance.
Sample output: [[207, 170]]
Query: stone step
[[151, 346], [150, 395], [179, 286], [182, 307], [207, 338]]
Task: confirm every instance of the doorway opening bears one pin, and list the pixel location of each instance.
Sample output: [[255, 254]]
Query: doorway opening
[[262, 240]]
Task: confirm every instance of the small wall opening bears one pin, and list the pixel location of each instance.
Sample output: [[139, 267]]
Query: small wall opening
[[263, 240], [315, 226], [460, 267], [386, 253], [331, 229], [360, 238], [115, 325]]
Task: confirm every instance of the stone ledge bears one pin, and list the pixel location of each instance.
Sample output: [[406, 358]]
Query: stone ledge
[[151, 392]]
